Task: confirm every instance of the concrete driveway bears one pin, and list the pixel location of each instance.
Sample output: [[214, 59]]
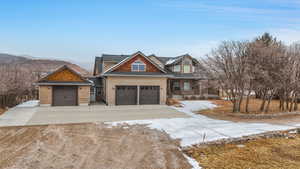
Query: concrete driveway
[[36, 115], [101, 113]]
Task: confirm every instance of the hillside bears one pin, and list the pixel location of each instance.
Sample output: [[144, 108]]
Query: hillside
[[20, 73], [38, 65]]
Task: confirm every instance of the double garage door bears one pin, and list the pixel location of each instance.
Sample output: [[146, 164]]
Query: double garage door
[[132, 95], [64, 96]]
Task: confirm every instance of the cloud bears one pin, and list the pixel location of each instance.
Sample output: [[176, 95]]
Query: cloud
[[269, 11], [287, 35], [227, 7]]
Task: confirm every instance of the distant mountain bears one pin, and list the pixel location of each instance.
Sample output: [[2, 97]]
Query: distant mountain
[[38, 65], [7, 58]]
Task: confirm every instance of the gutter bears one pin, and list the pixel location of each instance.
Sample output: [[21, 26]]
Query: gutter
[[63, 84], [105, 75]]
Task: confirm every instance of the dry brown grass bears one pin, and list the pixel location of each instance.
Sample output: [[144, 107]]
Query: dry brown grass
[[258, 154], [225, 106], [173, 102], [2, 111]]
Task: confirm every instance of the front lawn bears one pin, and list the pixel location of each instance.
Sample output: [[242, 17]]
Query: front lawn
[[259, 154], [225, 106], [2, 111]]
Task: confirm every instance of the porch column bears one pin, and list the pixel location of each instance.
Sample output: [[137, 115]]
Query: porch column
[[169, 92]]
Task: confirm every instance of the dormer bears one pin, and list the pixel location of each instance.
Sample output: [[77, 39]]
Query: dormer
[[182, 64]]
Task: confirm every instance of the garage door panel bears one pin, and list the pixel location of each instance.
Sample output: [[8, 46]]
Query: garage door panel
[[126, 95], [64, 96], [149, 94]]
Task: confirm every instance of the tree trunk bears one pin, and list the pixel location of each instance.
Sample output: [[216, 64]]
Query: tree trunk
[[235, 107], [247, 102], [292, 102], [296, 103], [262, 106], [269, 101], [281, 103]]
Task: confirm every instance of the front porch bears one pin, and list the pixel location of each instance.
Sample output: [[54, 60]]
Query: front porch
[[194, 89], [183, 87]]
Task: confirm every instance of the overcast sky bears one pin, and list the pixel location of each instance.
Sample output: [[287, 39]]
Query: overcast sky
[[79, 30]]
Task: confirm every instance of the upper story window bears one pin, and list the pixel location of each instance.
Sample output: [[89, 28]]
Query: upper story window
[[138, 66], [177, 68], [186, 68]]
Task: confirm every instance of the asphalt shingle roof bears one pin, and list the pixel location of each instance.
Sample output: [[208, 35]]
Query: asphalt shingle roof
[[164, 60]]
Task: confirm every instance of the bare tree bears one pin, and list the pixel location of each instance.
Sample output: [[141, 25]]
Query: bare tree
[[228, 64], [267, 63]]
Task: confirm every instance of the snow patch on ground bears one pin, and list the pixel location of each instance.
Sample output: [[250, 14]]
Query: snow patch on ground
[[31, 103], [193, 162], [198, 128], [19, 115]]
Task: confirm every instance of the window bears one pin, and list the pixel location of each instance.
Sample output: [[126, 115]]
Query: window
[[138, 66], [176, 86], [193, 69], [186, 69], [186, 86], [176, 68]]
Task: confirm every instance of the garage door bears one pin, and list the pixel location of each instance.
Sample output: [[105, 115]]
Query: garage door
[[126, 95], [149, 94], [64, 95]]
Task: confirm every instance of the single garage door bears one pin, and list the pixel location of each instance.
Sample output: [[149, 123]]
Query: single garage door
[[64, 95], [149, 94], [126, 95]]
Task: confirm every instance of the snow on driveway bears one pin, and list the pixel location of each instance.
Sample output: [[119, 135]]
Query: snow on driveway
[[199, 128], [19, 115]]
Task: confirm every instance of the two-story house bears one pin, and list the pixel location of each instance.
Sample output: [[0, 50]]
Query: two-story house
[[134, 79], [139, 79]]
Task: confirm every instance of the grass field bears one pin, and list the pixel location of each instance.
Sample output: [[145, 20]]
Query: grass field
[[257, 154], [225, 106]]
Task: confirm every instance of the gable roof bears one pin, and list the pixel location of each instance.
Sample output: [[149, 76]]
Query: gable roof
[[166, 61], [128, 57], [177, 59], [107, 58], [45, 79]]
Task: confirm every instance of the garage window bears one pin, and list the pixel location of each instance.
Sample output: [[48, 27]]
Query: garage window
[[138, 66]]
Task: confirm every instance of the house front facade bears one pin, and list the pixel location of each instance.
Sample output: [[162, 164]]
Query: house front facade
[[135, 79], [138, 79]]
